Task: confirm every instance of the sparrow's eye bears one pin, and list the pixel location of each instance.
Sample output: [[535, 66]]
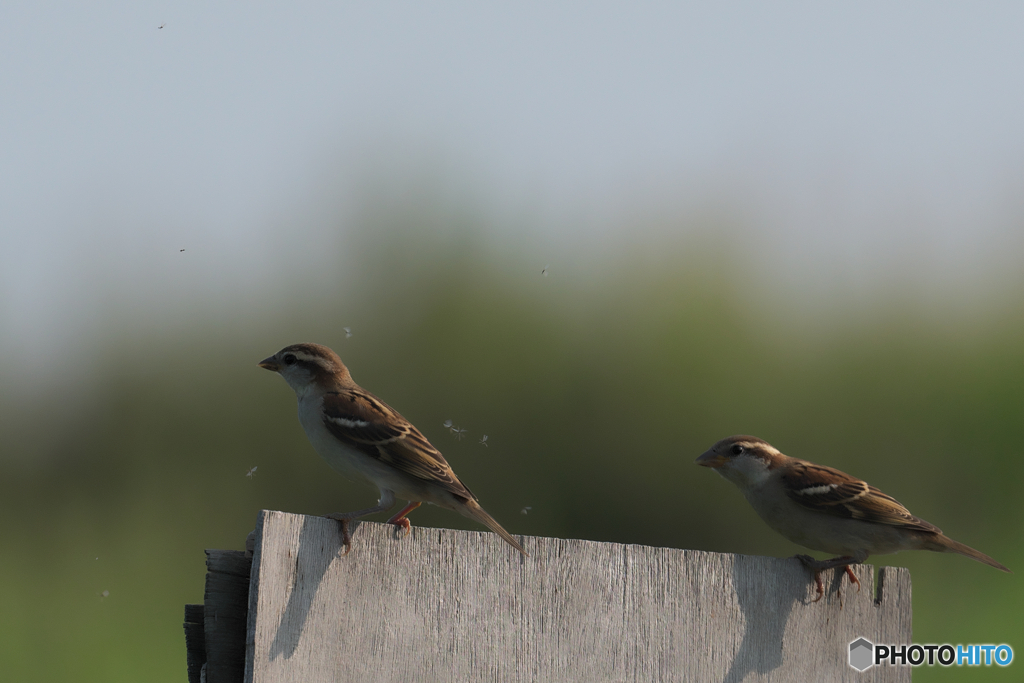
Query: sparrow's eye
[[288, 359], [737, 449]]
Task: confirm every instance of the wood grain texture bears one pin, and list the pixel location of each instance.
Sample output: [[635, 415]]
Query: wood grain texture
[[444, 605]]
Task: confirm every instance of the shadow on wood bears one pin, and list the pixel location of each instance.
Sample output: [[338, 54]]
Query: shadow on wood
[[444, 605]]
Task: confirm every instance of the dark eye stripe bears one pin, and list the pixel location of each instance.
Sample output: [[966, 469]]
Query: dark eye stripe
[[308, 360]]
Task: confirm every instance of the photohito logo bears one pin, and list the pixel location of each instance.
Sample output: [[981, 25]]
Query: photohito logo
[[864, 654]]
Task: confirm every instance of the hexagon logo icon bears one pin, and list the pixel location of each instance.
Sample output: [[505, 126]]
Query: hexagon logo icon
[[861, 654]]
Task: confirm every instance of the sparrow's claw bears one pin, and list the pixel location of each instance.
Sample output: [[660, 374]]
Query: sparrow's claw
[[811, 564], [346, 535], [401, 520], [819, 585], [404, 523], [818, 566], [853, 577]]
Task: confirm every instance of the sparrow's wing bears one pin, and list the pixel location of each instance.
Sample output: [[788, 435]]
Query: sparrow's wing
[[832, 492], [363, 421]]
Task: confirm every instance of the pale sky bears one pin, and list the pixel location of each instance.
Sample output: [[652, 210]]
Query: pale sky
[[849, 135]]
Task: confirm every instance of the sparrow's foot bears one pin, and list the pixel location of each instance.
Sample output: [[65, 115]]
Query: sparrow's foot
[[811, 563], [819, 586], [346, 535], [818, 566], [386, 502], [853, 577], [401, 520]]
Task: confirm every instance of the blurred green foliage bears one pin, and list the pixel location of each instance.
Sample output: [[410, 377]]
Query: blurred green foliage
[[597, 388]]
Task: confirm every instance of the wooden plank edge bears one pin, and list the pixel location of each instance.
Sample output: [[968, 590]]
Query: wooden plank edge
[[254, 550]]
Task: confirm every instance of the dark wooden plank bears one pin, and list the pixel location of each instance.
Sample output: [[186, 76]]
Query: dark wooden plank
[[226, 610], [195, 642]]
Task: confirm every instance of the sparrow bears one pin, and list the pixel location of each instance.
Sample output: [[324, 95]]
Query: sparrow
[[368, 441], [824, 509]]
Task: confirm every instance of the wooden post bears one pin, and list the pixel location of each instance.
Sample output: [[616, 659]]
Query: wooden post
[[215, 630], [195, 642], [444, 605]]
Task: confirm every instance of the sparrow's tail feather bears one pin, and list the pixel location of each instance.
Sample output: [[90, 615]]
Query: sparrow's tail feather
[[473, 510], [946, 544]]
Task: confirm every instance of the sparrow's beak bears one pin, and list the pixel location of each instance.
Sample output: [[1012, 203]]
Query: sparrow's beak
[[710, 459], [269, 364]]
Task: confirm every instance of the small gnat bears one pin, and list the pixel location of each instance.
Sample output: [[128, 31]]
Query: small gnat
[[159, 27], [105, 594], [251, 473], [483, 441], [348, 332], [459, 433], [544, 271], [525, 510]]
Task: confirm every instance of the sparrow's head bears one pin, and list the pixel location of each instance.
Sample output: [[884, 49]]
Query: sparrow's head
[[743, 460], [305, 366]]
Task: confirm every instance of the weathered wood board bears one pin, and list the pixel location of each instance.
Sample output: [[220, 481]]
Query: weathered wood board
[[444, 605], [225, 614]]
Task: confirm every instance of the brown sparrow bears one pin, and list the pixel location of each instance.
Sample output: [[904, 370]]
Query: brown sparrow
[[368, 441], [824, 509]]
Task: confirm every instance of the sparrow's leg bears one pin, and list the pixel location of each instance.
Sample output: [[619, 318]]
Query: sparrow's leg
[[386, 502], [401, 520], [818, 566]]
